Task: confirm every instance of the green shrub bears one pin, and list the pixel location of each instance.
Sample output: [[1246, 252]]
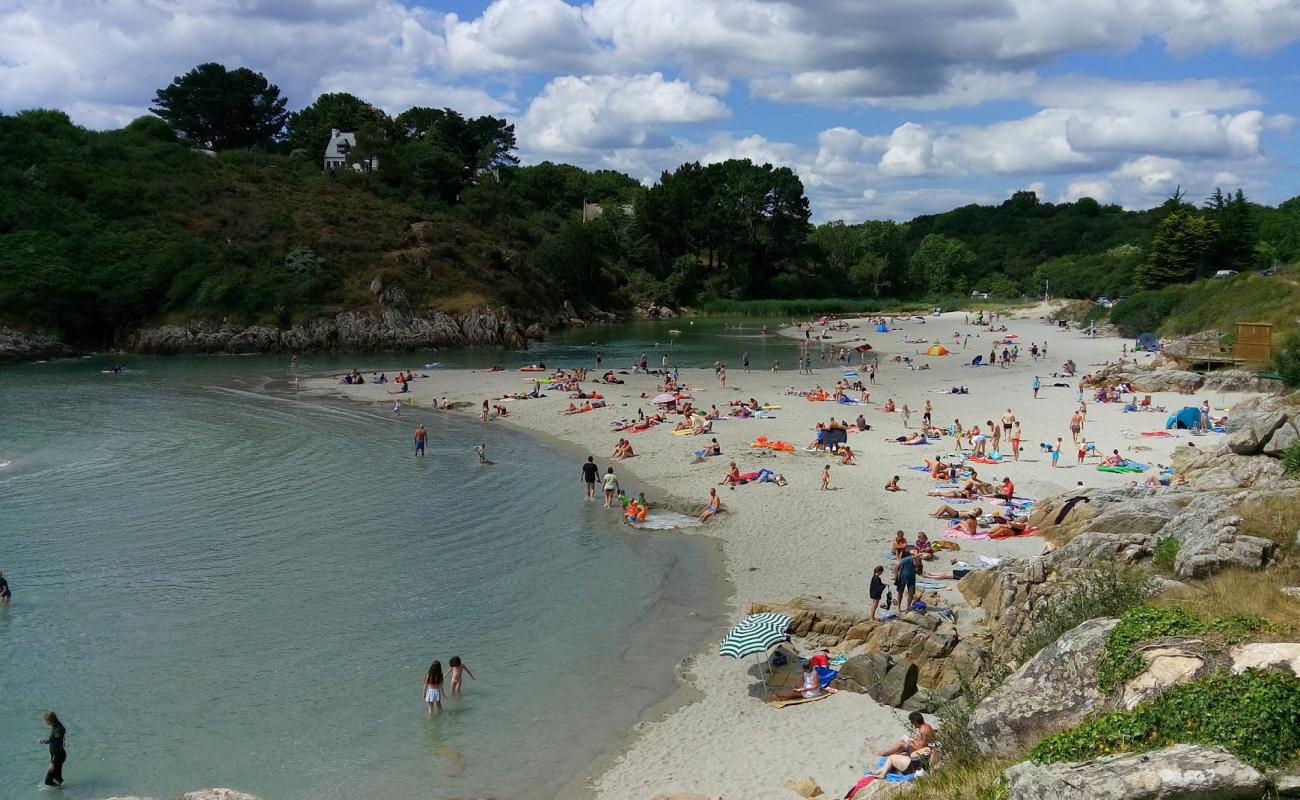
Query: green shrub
[[1286, 359], [1165, 553], [1291, 460], [1144, 311], [1119, 661], [1255, 716]]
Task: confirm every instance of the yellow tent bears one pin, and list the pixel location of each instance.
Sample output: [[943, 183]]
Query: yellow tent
[[937, 350]]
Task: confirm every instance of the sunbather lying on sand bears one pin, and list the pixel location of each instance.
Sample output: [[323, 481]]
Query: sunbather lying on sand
[[958, 493], [913, 438]]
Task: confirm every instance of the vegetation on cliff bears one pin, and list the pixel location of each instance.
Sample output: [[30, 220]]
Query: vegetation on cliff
[[219, 207]]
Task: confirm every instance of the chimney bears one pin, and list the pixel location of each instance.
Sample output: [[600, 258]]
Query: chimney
[[334, 133]]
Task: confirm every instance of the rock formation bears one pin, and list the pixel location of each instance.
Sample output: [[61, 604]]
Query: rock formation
[[1181, 772]]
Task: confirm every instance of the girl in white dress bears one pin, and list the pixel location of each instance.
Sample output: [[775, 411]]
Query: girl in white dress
[[433, 686]]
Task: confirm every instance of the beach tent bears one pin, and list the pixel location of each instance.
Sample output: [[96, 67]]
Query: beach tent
[[1147, 342], [1189, 418], [882, 328], [937, 350]]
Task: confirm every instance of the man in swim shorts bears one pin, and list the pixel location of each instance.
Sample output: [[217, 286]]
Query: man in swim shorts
[[589, 473], [421, 437]]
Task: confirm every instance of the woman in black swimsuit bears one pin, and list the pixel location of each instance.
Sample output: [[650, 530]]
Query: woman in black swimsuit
[[54, 773]]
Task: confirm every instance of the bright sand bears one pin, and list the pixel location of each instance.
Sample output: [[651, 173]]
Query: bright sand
[[780, 542]]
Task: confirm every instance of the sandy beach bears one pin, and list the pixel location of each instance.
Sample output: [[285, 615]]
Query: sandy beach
[[779, 542]]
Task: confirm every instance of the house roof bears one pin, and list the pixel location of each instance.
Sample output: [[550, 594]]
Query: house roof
[[340, 144]]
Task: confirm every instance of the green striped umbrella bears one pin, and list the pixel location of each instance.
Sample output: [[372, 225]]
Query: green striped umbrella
[[755, 634]]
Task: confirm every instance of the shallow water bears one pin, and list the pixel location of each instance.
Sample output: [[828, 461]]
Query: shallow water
[[220, 582]]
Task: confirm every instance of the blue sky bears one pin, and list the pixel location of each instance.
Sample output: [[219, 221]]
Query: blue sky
[[886, 108]]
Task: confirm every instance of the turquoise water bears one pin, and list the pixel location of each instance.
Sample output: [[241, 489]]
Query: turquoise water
[[220, 582]]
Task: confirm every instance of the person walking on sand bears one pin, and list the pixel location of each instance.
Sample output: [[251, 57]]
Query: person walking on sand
[[1035, 386], [421, 439], [744, 361], [610, 482], [826, 477], [433, 687], [1056, 452], [58, 754], [722, 377], [598, 361], [589, 474], [456, 667], [1015, 440]]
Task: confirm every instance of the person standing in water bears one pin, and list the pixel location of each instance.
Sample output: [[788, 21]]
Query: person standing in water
[[58, 755], [5, 594], [421, 439], [484, 415], [611, 487], [589, 474], [433, 687], [482, 452], [456, 668]]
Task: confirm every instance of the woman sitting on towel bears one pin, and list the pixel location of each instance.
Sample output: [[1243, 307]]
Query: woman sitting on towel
[[1115, 459], [912, 752], [923, 548], [732, 477], [968, 524], [900, 546], [809, 688], [889, 406]]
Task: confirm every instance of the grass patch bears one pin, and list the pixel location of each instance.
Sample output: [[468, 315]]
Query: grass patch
[[978, 780], [1275, 517], [1165, 553], [1291, 461], [1144, 623], [1255, 716], [1242, 592]]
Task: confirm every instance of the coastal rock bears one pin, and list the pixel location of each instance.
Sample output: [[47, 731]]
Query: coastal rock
[[1216, 468], [1168, 663], [899, 685], [393, 327], [1252, 423], [1285, 436], [1278, 656], [863, 673], [18, 345], [804, 787], [1287, 784], [1181, 772], [1053, 690], [218, 794]]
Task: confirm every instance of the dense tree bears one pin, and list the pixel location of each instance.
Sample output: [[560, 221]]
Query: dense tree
[[1179, 250], [222, 109], [940, 264], [308, 129]]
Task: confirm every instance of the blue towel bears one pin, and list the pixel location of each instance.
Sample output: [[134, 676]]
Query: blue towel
[[896, 777], [825, 675]]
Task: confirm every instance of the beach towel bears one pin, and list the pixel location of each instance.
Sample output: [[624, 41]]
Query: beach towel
[[825, 675], [1156, 433], [983, 460], [929, 585], [774, 703]]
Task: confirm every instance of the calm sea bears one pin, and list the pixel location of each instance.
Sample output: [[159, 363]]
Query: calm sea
[[220, 582]]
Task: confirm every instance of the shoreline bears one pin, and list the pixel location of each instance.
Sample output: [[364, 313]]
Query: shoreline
[[777, 543]]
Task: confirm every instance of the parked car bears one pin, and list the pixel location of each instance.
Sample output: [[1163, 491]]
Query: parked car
[[1225, 273], [979, 294]]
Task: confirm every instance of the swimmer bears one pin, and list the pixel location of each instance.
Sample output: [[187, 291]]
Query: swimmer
[[456, 667]]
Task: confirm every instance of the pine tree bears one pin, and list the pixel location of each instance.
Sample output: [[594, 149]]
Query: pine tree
[[1178, 251]]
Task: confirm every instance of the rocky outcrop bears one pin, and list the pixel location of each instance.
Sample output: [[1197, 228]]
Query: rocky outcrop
[[1159, 377], [1054, 690], [1181, 772], [1216, 468], [1252, 424], [1278, 656], [392, 328], [917, 661], [804, 787], [16, 345], [1124, 525], [1169, 662]]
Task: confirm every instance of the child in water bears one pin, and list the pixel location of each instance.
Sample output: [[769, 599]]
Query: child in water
[[456, 668], [433, 686]]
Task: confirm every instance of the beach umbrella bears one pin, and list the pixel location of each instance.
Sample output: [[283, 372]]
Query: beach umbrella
[[664, 398], [755, 634], [937, 350]]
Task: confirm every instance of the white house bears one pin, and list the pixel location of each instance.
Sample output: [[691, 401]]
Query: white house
[[340, 145]]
